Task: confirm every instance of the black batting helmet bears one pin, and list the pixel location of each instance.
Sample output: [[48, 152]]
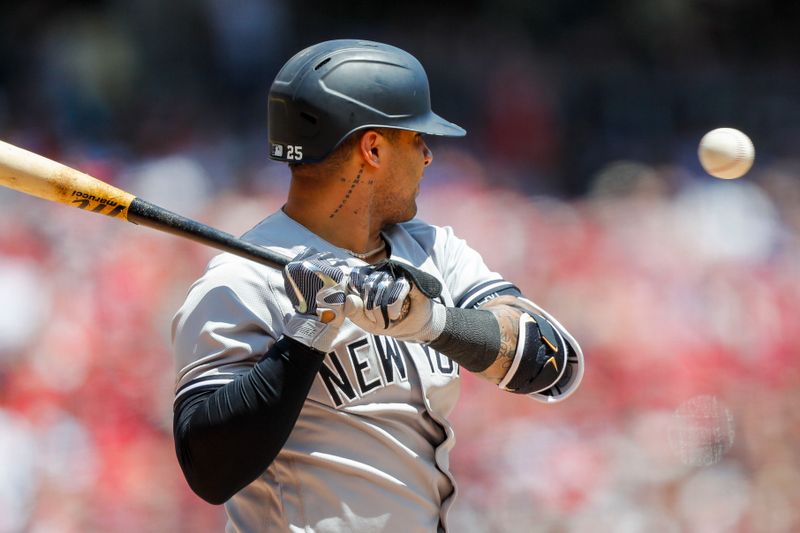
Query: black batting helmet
[[331, 89]]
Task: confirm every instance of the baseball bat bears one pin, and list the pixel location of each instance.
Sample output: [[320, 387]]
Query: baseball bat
[[38, 176]]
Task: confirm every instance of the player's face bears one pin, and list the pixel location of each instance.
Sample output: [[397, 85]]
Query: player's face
[[400, 186]]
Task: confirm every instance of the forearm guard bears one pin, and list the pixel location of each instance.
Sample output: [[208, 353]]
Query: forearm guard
[[471, 338], [540, 360]]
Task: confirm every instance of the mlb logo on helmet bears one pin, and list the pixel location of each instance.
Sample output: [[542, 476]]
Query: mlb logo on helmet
[[276, 150]]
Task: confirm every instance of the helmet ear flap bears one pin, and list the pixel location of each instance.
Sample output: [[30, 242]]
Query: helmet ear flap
[[308, 123]]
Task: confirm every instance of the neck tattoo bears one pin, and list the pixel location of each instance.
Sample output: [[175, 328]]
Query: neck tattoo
[[353, 185]]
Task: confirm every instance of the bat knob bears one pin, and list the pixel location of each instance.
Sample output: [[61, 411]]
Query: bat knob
[[405, 308], [326, 316]]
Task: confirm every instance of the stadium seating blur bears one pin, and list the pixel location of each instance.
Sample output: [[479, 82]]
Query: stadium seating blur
[[578, 181]]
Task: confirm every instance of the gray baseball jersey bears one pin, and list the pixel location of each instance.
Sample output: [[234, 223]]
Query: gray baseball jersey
[[370, 449]]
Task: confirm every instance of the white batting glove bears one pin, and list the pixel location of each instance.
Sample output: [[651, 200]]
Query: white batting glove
[[382, 304], [316, 285]]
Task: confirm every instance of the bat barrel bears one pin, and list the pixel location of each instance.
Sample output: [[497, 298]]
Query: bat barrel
[[44, 178], [146, 214], [36, 175]]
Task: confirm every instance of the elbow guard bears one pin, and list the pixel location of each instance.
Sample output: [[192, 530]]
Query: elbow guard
[[541, 358]]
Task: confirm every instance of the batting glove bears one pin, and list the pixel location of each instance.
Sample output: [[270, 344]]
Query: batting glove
[[316, 284], [383, 301]]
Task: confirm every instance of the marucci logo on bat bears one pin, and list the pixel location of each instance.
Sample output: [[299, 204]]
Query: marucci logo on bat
[[86, 199]]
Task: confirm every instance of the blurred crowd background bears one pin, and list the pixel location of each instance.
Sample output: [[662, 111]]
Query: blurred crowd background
[[578, 180]]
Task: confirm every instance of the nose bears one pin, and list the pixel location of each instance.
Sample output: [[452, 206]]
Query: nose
[[427, 154]]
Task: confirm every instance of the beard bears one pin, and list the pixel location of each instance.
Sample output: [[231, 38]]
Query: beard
[[397, 202], [395, 209]]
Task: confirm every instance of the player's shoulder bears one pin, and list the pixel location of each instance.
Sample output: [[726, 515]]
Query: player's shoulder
[[239, 276], [229, 282], [277, 233], [225, 268], [427, 235]]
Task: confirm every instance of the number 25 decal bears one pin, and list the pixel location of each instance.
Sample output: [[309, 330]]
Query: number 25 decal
[[294, 152]]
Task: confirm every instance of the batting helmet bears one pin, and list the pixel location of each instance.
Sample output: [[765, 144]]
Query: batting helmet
[[331, 89]]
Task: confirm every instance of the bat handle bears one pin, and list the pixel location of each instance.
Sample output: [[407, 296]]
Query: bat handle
[[144, 213]]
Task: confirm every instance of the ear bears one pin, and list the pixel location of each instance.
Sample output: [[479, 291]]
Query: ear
[[371, 147]]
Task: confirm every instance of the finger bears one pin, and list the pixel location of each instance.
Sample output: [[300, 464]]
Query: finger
[[376, 306], [330, 297], [383, 297], [379, 292], [353, 306], [328, 273], [397, 298], [370, 288], [358, 276], [301, 296]]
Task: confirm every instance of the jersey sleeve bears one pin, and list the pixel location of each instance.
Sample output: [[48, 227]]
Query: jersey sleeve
[[471, 283], [230, 318]]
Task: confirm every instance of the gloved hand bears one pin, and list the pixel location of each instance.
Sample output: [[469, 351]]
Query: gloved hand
[[383, 301], [316, 284], [387, 298]]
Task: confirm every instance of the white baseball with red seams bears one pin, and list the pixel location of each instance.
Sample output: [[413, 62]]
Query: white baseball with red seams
[[726, 153]]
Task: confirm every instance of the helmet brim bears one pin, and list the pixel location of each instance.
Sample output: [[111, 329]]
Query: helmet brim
[[433, 124]]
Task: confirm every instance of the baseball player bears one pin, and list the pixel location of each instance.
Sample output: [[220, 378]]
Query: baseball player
[[316, 398]]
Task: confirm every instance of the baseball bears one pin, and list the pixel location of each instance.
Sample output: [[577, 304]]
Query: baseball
[[726, 153]]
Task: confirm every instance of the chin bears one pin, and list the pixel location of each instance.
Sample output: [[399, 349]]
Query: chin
[[412, 211], [405, 215]]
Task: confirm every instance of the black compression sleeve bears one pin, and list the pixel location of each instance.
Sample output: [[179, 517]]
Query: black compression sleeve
[[471, 337], [226, 437]]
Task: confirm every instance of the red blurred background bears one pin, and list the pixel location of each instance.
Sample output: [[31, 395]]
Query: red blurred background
[[578, 181]]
